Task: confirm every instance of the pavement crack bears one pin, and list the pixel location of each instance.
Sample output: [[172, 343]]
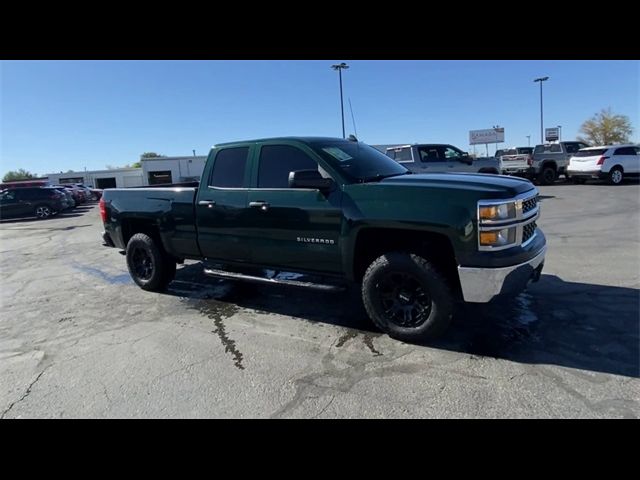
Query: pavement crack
[[25, 395], [325, 407]]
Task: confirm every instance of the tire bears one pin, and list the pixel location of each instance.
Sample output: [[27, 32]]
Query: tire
[[406, 297], [149, 266], [548, 175], [616, 176], [43, 211]]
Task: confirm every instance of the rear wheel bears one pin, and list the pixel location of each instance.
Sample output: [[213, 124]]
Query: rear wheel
[[149, 266], [406, 297], [43, 211], [615, 176], [547, 175]]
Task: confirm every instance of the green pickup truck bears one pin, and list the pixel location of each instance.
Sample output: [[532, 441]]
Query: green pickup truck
[[335, 213]]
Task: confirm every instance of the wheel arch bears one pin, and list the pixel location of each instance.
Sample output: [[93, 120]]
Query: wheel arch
[[372, 242]]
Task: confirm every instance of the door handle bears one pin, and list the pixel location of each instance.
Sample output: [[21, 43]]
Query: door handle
[[208, 203], [264, 206]]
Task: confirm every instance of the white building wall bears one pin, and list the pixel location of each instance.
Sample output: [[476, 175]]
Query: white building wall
[[124, 177]]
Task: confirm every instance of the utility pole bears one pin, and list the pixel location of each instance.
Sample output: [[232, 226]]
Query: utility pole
[[541, 79], [339, 68]]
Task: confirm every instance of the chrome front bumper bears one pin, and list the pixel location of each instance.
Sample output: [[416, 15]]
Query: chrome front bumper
[[480, 285]]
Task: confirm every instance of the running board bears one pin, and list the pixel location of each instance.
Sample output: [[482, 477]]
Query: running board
[[273, 281]]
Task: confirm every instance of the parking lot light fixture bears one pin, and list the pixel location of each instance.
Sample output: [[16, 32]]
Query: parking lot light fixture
[[541, 79]]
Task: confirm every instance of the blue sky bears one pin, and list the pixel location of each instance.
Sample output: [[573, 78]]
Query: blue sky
[[61, 115]]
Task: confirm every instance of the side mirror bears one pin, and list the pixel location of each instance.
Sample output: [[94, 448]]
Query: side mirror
[[309, 179]]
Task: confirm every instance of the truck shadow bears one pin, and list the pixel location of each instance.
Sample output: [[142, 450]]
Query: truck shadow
[[575, 325]]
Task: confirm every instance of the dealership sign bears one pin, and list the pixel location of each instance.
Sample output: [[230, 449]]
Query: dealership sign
[[490, 135], [551, 134]]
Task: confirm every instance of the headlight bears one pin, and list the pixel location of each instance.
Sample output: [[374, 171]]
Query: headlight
[[496, 213], [498, 238]]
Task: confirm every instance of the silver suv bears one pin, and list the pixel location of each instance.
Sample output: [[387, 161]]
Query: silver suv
[[552, 159]]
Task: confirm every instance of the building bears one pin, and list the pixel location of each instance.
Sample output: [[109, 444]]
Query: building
[[157, 170], [115, 178]]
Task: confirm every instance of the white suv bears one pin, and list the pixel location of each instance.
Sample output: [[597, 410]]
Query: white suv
[[611, 162]]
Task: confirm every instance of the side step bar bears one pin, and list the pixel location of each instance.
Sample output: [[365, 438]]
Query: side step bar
[[273, 281]]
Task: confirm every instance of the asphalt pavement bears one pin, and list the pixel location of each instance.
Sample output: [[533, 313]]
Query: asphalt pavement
[[79, 339]]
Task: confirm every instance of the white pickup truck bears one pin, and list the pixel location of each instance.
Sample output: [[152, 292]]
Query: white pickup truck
[[439, 158], [515, 161]]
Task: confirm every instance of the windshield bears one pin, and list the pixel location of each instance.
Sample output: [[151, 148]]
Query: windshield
[[509, 151], [525, 150], [358, 161]]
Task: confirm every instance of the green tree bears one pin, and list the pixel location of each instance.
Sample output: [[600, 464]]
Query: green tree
[[136, 165], [150, 155], [20, 174], [605, 128]]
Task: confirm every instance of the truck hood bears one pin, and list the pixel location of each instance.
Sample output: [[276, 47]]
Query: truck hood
[[495, 186]]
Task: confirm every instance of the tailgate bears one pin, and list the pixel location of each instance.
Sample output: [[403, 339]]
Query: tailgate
[[513, 161]]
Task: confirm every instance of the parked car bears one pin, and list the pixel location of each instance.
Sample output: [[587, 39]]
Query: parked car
[[550, 160], [67, 193], [78, 194], [31, 201], [437, 158], [87, 191], [96, 193], [515, 161], [610, 162], [337, 212]]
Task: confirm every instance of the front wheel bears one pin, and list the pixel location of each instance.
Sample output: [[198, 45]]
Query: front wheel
[[406, 297], [615, 176], [149, 266]]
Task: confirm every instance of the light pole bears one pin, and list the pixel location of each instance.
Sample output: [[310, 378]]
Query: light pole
[[341, 67], [528, 140], [541, 79]]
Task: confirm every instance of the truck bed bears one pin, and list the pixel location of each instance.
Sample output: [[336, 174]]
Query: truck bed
[[170, 208]]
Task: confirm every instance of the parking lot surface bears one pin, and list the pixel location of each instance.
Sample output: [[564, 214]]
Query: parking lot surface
[[79, 339]]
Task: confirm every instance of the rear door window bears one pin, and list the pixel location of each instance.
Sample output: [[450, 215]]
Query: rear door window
[[572, 147], [430, 154]]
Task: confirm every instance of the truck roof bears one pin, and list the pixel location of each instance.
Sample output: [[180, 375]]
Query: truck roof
[[310, 140]]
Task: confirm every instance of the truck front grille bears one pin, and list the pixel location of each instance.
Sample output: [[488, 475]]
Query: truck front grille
[[528, 230], [529, 204]]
